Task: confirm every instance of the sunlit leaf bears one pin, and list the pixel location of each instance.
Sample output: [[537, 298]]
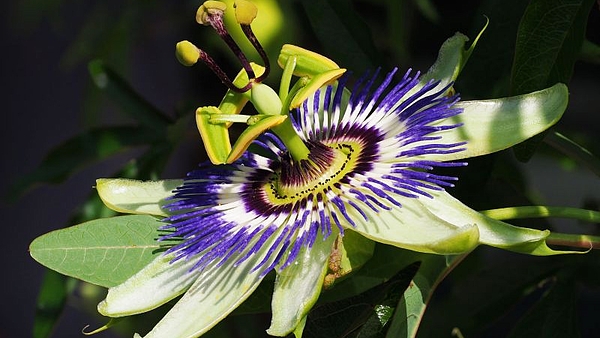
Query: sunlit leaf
[[104, 251]]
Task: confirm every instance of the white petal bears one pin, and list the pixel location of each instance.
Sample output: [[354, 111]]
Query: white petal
[[493, 125], [159, 282], [492, 232], [135, 197], [413, 226], [216, 292], [297, 288]]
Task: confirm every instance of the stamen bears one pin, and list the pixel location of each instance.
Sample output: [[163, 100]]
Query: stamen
[[211, 13], [245, 12], [210, 62]]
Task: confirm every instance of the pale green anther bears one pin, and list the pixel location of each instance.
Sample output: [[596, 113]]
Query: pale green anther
[[307, 63], [209, 8], [187, 53], [316, 82], [214, 136], [260, 125], [245, 11], [265, 100]]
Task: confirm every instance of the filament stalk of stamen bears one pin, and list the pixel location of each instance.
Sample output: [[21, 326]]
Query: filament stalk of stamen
[[216, 22], [261, 51], [286, 78], [214, 67], [227, 118]]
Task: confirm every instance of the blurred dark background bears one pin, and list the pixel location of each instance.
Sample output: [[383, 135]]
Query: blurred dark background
[[48, 97]]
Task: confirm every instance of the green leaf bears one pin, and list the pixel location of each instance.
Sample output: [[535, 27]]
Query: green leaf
[[548, 43], [104, 252], [411, 308], [554, 315], [94, 145], [366, 314], [123, 94], [51, 300]]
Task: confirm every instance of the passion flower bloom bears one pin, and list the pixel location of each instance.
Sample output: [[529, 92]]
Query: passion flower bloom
[[368, 170], [348, 158]]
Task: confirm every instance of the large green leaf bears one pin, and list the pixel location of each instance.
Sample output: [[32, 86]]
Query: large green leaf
[[96, 144], [410, 310], [554, 315], [104, 251], [548, 43], [364, 315]]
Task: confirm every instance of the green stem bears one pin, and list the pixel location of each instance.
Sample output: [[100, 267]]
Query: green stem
[[542, 212], [294, 144], [572, 240], [286, 79]]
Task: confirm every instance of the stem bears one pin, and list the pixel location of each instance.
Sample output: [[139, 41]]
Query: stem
[[286, 79], [294, 144], [573, 240], [577, 241], [542, 212]]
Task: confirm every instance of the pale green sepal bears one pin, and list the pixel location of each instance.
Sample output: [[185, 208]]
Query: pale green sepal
[[216, 292], [298, 286], [493, 125], [413, 226], [134, 196], [159, 282], [451, 59], [112, 322], [300, 328], [491, 232]]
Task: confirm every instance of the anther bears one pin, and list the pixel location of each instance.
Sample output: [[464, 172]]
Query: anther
[[245, 13], [211, 13]]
